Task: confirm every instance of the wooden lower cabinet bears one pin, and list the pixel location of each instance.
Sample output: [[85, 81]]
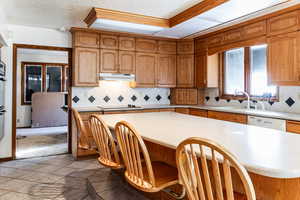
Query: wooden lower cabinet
[[198, 112], [231, 117], [183, 110], [293, 126]]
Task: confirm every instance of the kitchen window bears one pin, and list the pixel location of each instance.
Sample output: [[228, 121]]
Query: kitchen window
[[245, 69], [43, 77]]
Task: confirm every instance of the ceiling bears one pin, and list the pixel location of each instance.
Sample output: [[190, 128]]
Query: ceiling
[[59, 13], [56, 14]]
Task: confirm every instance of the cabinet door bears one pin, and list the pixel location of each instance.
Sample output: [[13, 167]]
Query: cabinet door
[[86, 66], [166, 71], [215, 40], [185, 47], [185, 71], [167, 47], [86, 39], [109, 61], [191, 96], [201, 70], [109, 42], [254, 30], [127, 43], [198, 112], [146, 45], [231, 36], [180, 96], [285, 23], [283, 59], [127, 62], [145, 69], [182, 110]]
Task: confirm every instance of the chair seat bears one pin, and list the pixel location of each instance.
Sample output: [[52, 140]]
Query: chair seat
[[113, 165], [165, 176]]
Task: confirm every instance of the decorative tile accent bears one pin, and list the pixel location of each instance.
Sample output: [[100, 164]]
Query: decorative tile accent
[[169, 97], [217, 98], [158, 97], [271, 102], [76, 99], [228, 100], [290, 102], [207, 98], [241, 101], [120, 98], [106, 99], [254, 101], [133, 98], [92, 99], [146, 97]]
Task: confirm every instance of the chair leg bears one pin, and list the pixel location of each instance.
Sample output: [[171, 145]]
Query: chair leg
[[175, 195]]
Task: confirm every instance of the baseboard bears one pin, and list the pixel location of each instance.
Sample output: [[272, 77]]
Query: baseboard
[[6, 159]]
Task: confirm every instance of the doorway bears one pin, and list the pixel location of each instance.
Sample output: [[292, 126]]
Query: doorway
[[41, 92]]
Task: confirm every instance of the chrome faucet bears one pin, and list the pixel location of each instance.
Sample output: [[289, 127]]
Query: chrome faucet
[[237, 92]]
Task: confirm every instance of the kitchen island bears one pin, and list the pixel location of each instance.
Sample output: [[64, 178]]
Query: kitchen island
[[270, 156]]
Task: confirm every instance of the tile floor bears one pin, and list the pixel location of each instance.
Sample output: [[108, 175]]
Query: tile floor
[[45, 178]]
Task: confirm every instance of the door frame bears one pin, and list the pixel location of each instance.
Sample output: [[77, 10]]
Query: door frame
[[14, 88]]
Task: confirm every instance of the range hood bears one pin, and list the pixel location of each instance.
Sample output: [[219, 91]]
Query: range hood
[[116, 77]]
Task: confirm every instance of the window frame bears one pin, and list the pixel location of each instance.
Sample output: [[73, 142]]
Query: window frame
[[247, 77], [43, 65]]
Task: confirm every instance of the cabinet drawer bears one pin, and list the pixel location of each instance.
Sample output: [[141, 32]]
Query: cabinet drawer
[[198, 112], [231, 117], [285, 23], [183, 110], [167, 110], [293, 126]]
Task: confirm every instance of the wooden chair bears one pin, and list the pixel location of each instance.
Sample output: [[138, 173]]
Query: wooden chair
[[192, 163], [140, 172], [84, 142], [107, 149]]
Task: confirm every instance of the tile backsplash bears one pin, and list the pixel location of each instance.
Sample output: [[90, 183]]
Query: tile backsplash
[[118, 93], [289, 100]]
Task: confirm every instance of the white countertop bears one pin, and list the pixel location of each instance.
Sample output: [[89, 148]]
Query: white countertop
[[263, 151], [261, 113]]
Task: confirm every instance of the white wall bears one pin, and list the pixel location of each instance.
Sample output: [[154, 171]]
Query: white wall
[[24, 111], [24, 35]]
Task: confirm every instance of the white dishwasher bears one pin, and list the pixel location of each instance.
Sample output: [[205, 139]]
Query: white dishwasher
[[265, 122]]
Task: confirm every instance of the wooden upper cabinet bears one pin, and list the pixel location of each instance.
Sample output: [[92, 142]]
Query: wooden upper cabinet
[[284, 23], [109, 61], [167, 47], [86, 67], [185, 71], [185, 47], [255, 30], [200, 46], [231, 36], [109, 42], [201, 70], [215, 40], [206, 70], [145, 69], [283, 59], [146, 45], [166, 71], [127, 62], [86, 39], [127, 43]]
